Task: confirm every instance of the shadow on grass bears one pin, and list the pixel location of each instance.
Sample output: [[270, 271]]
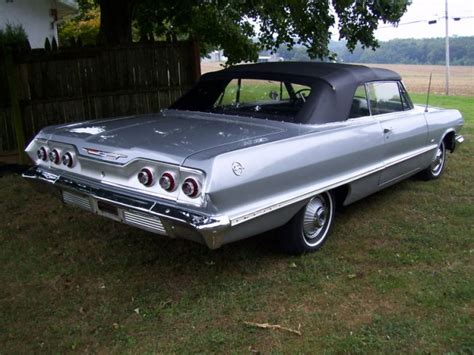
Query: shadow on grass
[[9, 169]]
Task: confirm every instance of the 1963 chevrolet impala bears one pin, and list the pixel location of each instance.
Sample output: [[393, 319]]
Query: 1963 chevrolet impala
[[249, 149]]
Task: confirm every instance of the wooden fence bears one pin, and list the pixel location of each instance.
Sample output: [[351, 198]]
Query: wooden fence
[[89, 83]]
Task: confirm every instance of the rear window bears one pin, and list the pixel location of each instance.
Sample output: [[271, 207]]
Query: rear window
[[269, 99]]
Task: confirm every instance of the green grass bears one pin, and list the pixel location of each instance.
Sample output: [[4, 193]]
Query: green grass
[[395, 276]]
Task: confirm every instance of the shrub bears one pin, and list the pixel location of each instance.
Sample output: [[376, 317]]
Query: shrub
[[13, 36]]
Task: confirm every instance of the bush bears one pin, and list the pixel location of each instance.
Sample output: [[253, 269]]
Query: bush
[[13, 36]]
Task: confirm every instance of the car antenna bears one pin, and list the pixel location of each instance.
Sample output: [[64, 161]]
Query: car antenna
[[428, 95]]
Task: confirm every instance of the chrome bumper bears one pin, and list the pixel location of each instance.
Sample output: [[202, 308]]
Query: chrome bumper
[[140, 211]]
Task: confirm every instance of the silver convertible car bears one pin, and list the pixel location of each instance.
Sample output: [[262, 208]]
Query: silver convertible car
[[249, 149]]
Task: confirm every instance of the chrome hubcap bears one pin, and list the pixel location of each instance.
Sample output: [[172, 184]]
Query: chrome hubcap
[[316, 219], [320, 217], [438, 161]]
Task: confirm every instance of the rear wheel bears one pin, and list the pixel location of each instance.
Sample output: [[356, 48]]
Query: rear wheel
[[309, 228], [436, 167]]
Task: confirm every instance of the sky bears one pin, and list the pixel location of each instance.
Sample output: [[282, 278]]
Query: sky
[[425, 10]]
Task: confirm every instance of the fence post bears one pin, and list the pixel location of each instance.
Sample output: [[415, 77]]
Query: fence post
[[13, 86], [196, 63]]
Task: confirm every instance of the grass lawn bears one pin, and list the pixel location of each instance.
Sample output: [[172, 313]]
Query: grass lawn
[[396, 275]]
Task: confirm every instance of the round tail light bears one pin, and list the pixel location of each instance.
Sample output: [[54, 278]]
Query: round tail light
[[68, 160], [167, 182], [42, 154], [145, 177], [190, 187], [54, 156]]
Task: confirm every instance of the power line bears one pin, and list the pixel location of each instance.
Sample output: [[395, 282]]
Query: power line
[[455, 18]]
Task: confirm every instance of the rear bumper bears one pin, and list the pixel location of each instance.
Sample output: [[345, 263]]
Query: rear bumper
[[140, 211]]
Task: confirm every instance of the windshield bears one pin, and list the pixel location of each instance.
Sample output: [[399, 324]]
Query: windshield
[[268, 99]]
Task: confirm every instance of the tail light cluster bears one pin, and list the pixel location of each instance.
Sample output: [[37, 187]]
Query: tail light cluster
[[145, 176], [169, 182], [55, 157], [68, 160], [42, 154], [190, 187]]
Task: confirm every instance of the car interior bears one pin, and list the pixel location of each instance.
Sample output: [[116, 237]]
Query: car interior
[[280, 101]]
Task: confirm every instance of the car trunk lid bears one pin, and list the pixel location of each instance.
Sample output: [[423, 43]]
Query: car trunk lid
[[169, 136]]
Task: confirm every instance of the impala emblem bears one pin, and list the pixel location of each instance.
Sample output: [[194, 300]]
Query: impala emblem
[[104, 154], [237, 168]]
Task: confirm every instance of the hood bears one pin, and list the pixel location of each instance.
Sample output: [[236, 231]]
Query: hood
[[169, 136]]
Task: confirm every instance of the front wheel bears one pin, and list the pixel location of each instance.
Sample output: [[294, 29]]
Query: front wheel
[[436, 167], [309, 228]]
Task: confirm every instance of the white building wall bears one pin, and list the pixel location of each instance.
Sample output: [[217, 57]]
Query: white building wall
[[33, 15]]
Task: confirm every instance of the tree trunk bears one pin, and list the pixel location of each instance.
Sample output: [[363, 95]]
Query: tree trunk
[[116, 21]]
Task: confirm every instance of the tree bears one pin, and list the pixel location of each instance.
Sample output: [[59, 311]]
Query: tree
[[116, 21], [242, 27], [83, 28]]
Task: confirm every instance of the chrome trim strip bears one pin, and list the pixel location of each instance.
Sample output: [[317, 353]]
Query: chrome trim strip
[[363, 173], [402, 157], [104, 154]]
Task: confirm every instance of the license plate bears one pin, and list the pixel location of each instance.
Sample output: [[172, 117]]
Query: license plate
[[107, 208]]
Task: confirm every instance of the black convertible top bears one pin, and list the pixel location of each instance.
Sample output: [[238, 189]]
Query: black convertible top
[[335, 74], [332, 84]]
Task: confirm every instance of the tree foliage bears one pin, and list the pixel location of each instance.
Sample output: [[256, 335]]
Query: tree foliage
[[83, 28], [242, 27], [13, 36]]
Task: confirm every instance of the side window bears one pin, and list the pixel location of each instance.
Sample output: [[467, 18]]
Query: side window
[[384, 97], [360, 106]]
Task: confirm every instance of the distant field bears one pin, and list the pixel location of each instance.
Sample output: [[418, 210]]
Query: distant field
[[416, 77]]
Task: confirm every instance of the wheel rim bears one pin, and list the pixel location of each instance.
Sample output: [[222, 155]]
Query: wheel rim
[[316, 219], [438, 161]]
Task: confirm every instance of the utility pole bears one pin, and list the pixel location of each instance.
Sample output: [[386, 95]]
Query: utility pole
[[447, 47]]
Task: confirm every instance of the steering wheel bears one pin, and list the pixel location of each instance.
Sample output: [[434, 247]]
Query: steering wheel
[[299, 94]]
